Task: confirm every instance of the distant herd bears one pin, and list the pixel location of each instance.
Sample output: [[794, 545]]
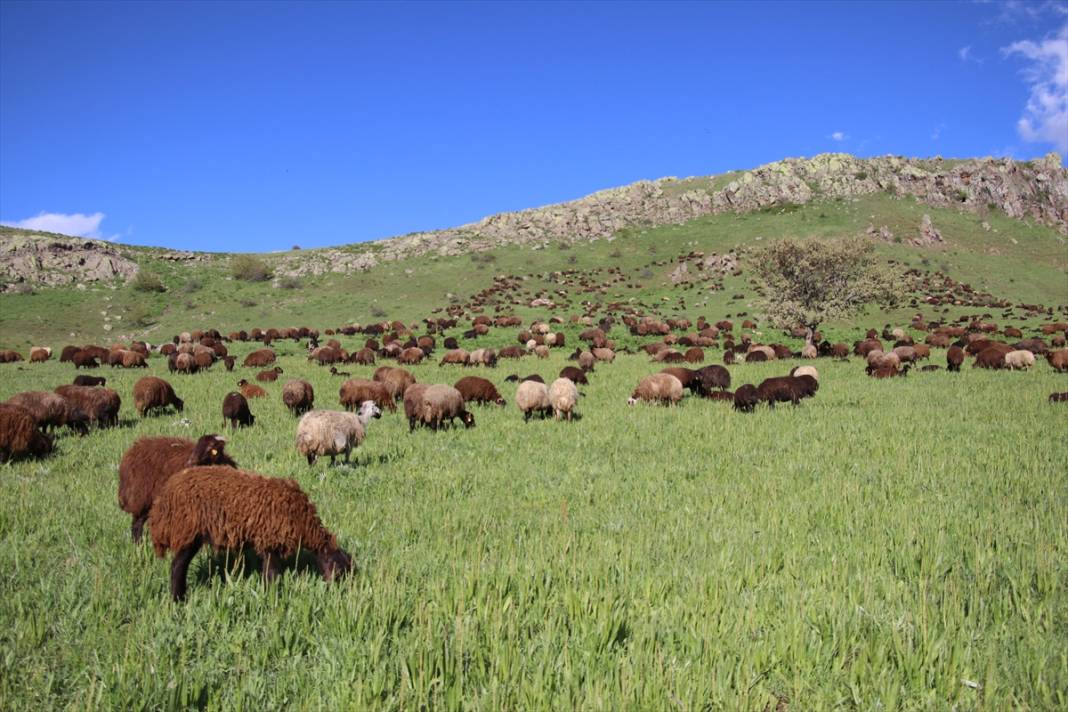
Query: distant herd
[[191, 493]]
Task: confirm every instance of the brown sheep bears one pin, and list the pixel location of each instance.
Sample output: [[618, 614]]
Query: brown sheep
[[411, 356], [1058, 360], [511, 352], [298, 396], [50, 410], [363, 357], [151, 392], [954, 358], [251, 390], [689, 378], [90, 381], [184, 363], [84, 359], [1058, 397], [441, 403], [260, 358], [746, 398], [19, 435], [150, 462], [990, 358], [413, 404], [658, 388], [100, 405], [586, 361], [9, 356], [455, 357], [269, 376], [236, 412], [476, 390], [355, 391], [40, 354], [780, 389], [232, 509], [602, 354], [396, 380], [575, 375]]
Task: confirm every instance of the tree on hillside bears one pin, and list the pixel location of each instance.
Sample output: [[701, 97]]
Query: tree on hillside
[[808, 282]]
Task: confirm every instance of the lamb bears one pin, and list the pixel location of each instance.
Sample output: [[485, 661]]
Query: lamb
[[19, 435], [533, 397], [355, 391], [413, 404], [1021, 359], [260, 358], [477, 390], [152, 392], [575, 375], [100, 405], [50, 410], [746, 398], [269, 376], [233, 509], [954, 358], [298, 396], [235, 411], [396, 380], [251, 390], [658, 388], [563, 395], [40, 354], [333, 432], [90, 381], [441, 403], [150, 462]]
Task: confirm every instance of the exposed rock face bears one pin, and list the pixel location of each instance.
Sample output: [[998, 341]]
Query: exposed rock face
[[59, 261], [928, 234]]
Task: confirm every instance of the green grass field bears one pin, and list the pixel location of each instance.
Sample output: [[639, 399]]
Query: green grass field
[[897, 544]]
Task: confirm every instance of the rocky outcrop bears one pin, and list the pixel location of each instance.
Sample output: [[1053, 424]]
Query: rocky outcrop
[[928, 234], [55, 260]]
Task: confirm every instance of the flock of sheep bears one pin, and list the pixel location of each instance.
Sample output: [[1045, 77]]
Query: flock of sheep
[[191, 493]]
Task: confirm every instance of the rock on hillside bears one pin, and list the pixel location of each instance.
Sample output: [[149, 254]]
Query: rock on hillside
[[56, 260]]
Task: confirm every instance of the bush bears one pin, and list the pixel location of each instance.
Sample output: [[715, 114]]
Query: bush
[[289, 282], [193, 285], [148, 282], [377, 312], [248, 268], [248, 303], [140, 315]]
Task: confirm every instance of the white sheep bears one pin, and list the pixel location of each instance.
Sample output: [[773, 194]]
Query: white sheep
[[1021, 359], [563, 395], [333, 432], [531, 397]]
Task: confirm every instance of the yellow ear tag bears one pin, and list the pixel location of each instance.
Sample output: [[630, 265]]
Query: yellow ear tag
[[214, 451]]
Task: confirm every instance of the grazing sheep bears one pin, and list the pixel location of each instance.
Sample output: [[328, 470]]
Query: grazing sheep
[[1058, 397], [413, 404], [251, 390], [236, 412], [456, 357], [586, 361], [83, 359], [990, 358], [658, 388], [9, 356], [363, 357], [576, 375], [1058, 360], [50, 410], [411, 356], [805, 371], [260, 358], [441, 403], [19, 435], [299, 396], [808, 351], [90, 381], [602, 354], [541, 351], [355, 391], [780, 389], [746, 398], [954, 358], [905, 354], [396, 380], [1021, 359], [689, 378], [888, 371], [720, 396], [151, 392], [694, 355], [100, 405], [269, 376], [333, 432], [183, 363], [532, 377], [228, 362], [713, 376], [232, 509], [533, 397], [482, 357], [477, 390], [562, 396], [40, 354], [150, 462]]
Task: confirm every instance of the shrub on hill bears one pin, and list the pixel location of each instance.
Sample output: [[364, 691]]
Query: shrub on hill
[[248, 268], [148, 282]]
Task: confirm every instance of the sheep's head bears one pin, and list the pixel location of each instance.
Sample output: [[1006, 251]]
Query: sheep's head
[[468, 419], [369, 410], [333, 564], [501, 402], [632, 400], [209, 450]]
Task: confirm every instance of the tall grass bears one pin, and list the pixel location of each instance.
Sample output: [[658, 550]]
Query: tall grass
[[895, 544]]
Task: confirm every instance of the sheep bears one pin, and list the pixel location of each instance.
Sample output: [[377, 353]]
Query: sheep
[[183, 363], [150, 462], [236, 412], [689, 378], [413, 404], [694, 355], [720, 396], [299, 396], [781, 389], [355, 391], [586, 361], [603, 354], [333, 432], [541, 351], [396, 380], [251, 390], [40, 354], [658, 388], [441, 403], [905, 354], [746, 398], [19, 435], [482, 357], [1021, 359], [411, 356], [477, 390], [90, 381], [769, 352], [1058, 360], [992, 357], [232, 509], [563, 395], [1053, 398], [84, 359], [269, 376], [576, 375], [888, 371], [363, 357], [808, 351], [133, 359], [100, 405], [50, 410], [805, 371], [531, 397], [260, 358], [511, 352], [152, 392], [756, 357], [9, 356], [532, 377], [954, 358]]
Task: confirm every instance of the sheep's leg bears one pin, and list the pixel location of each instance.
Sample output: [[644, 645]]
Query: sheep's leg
[[180, 567], [270, 567], [311, 459], [333, 460], [137, 527]]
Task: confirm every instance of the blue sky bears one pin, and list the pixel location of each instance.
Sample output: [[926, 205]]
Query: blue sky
[[257, 126]]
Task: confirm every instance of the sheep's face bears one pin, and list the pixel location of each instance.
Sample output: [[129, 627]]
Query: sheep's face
[[468, 419], [501, 402], [632, 400], [369, 410], [334, 564]]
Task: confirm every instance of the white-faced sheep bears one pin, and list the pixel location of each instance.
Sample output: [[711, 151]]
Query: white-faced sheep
[[332, 432], [1021, 359], [533, 397], [658, 388], [563, 395]]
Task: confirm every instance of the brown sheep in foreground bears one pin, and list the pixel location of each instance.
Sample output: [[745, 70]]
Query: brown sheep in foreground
[[151, 392], [260, 358], [251, 390], [19, 435], [231, 509], [355, 391], [100, 405], [476, 390], [150, 462], [299, 396], [50, 410], [658, 388]]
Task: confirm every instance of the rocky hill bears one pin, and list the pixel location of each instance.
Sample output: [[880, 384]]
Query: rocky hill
[[1034, 191]]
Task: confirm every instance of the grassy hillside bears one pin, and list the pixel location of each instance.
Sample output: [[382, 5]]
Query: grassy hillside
[[1011, 259]]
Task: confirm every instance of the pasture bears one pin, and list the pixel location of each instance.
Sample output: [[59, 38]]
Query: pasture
[[897, 544]]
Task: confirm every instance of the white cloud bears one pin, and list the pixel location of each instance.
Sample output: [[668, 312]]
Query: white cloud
[[839, 136], [1045, 117], [77, 224], [965, 54], [937, 132]]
